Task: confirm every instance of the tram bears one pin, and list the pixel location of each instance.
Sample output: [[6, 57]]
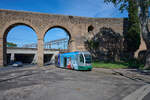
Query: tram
[[74, 60]]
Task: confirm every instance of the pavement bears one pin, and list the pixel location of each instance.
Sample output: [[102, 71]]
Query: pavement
[[52, 83]]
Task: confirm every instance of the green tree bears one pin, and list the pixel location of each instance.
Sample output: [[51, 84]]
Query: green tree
[[143, 10], [10, 44], [143, 6], [132, 37]]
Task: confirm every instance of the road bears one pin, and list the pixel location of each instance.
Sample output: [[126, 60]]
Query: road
[[51, 83], [147, 97]]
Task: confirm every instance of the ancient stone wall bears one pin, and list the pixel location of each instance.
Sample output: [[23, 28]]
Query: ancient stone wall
[[78, 28]]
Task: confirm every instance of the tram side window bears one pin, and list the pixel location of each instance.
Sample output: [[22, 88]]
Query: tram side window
[[81, 59]]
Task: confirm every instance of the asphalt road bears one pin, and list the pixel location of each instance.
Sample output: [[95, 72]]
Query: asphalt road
[[51, 83], [147, 97]]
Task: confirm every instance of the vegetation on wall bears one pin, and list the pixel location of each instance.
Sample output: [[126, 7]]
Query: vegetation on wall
[[10, 44], [106, 45]]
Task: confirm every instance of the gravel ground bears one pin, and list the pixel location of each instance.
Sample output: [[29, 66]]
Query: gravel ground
[[51, 83]]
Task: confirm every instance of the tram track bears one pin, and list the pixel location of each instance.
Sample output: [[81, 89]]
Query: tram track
[[133, 77]]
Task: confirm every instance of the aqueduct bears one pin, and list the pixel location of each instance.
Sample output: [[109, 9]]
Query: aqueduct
[[76, 27]]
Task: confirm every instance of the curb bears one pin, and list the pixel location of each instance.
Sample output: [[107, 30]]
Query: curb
[[139, 94]]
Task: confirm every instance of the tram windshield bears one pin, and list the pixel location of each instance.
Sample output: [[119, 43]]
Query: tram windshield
[[88, 58]]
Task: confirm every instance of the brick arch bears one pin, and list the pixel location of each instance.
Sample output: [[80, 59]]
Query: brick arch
[[58, 26], [5, 32], [77, 27], [61, 27], [13, 24]]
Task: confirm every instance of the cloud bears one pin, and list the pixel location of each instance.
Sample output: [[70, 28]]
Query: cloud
[[86, 8], [90, 8]]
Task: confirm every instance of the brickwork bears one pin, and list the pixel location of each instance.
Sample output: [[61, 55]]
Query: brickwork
[[76, 27]]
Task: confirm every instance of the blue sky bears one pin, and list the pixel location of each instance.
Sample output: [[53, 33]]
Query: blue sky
[[85, 8]]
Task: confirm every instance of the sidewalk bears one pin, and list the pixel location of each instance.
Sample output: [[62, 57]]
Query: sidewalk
[[141, 94]]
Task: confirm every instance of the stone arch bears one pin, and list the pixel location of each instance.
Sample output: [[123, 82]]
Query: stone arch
[[12, 24], [58, 26], [90, 28], [61, 27], [8, 26]]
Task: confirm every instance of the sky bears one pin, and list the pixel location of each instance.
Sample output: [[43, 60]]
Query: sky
[[84, 8]]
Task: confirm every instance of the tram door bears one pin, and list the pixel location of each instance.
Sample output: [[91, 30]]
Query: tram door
[[65, 61]]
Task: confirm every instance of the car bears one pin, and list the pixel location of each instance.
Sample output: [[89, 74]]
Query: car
[[17, 64]]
